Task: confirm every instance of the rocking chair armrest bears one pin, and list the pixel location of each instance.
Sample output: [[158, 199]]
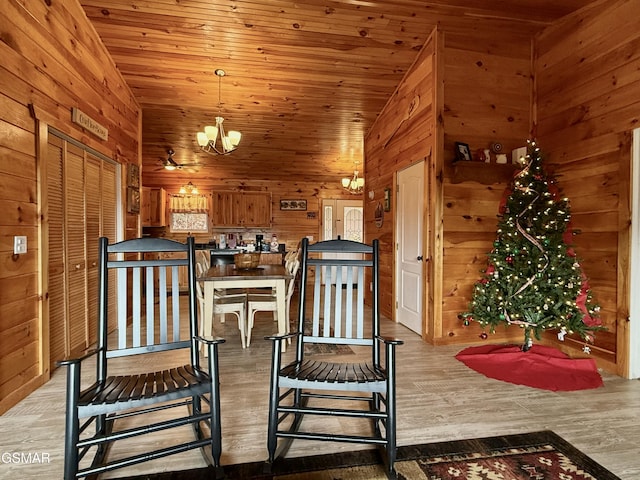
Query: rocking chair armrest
[[282, 336], [209, 340], [390, 340], [74, 360]]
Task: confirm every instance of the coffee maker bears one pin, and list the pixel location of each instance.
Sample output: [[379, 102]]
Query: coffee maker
[[259, 239]]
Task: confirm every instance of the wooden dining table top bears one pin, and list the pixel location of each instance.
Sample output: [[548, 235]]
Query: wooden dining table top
[[231, 272]]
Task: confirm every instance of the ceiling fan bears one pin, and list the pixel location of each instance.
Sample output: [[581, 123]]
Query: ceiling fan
[[170, 164]]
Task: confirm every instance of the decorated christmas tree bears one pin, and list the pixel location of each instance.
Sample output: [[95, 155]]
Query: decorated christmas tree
[[534, 279]]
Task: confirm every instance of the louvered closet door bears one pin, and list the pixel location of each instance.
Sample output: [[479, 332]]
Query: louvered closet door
[[100, 201], [93, 213], [76, 248], [108, 205], [82, 196], [57, 285]]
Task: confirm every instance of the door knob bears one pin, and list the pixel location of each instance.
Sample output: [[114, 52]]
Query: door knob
[[419, 257]]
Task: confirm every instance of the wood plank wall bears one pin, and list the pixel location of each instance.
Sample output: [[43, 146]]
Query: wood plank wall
[[588, 99], [52, 60], [396, 141], [483, 80], [487, 96], [585, 101]]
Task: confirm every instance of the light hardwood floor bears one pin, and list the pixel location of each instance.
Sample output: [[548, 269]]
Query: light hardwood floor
[[438, 399]]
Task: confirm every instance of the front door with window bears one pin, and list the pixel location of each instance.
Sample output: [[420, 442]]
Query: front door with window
[[344, 219]]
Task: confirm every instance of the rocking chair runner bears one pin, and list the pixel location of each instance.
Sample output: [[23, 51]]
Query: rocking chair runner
[[148, 295], [338, 318]]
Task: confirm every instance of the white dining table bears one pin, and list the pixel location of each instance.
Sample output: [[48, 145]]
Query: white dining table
[[229, 276]]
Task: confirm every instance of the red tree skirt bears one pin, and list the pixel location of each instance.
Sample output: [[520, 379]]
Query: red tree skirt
[[540, 367]]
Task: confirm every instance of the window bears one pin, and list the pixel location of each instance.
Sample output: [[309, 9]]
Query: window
[[188, 213], [189, 222]]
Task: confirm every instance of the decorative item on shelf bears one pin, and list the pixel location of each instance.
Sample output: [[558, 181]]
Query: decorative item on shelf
[[501, 158], [208, 139], [496, 147], [463, 152], [355, 184], [518, 156], [482, 155]]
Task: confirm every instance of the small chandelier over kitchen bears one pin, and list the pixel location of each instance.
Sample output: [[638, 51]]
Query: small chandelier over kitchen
[[189, 189], [355, 184], [214, 139]]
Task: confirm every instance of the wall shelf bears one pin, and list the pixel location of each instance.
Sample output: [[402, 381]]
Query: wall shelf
[[485, 173]]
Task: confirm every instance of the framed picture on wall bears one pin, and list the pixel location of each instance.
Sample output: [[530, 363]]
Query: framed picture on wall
[[463, 152], [133, 200], [293, 204], [133, 175]]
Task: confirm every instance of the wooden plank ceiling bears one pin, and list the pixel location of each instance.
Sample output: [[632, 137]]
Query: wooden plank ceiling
[[304, 80]]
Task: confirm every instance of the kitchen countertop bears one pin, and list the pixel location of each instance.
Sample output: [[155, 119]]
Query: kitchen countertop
[[224, 251]]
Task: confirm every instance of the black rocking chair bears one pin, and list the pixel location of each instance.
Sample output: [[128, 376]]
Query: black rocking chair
[[150, 322], [335, 286]]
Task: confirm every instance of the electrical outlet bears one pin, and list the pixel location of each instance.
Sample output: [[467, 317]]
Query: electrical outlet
[[19, 244]]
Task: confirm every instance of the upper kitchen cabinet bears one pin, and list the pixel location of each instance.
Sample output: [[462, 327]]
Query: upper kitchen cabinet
[[241, 209], [152, 207]]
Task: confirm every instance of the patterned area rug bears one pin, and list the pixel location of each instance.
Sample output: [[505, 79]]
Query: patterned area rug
[[530, 456]]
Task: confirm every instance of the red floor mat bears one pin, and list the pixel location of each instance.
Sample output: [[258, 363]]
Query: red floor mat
[[540, 367]]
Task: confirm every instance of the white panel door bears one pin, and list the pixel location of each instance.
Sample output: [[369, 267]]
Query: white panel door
[[409, 228]]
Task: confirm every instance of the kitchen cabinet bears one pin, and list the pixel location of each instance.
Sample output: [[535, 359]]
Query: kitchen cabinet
[[241, 209], [152, 207]]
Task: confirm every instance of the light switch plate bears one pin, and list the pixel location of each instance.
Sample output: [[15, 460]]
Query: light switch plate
[[19, 244]]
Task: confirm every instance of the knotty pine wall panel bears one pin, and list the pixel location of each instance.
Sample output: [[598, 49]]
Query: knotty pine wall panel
[[588, 100], [487, 96], [485, 84], [397, 140], [52, 61]]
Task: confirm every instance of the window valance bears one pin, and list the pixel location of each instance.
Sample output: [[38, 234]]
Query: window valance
[[189, 203]]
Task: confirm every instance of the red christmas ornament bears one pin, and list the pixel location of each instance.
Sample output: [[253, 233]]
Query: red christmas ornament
[[509, 259], [484, 336]]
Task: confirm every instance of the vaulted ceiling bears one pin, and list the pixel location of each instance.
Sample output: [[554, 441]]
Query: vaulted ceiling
[[304, 80]]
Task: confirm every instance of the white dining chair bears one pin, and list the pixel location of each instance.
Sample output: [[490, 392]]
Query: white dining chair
[[203, 263], [267, 302], [235, 304]]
